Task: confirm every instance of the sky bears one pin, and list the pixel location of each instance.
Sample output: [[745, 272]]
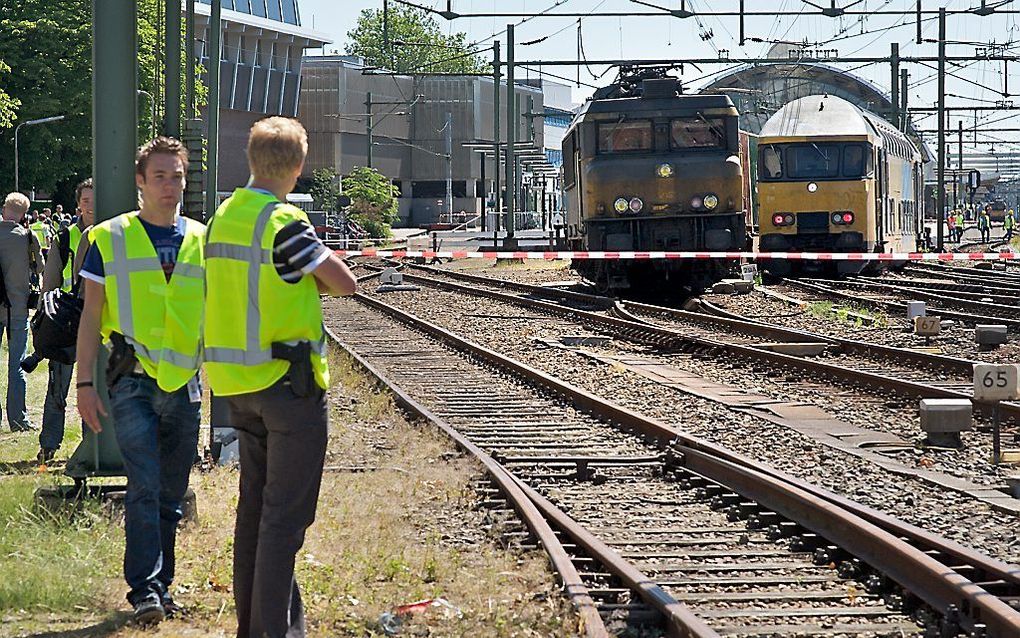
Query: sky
[[667, 37]]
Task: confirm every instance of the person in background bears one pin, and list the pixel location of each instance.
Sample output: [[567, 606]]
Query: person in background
[[144, 295], [961, 225], [273, 371], [951, 224], [984, 224], [41, 228], [61, 271], [1008, 224], [20, 262]]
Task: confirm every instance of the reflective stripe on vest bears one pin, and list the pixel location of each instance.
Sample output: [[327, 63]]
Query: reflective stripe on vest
[[161, 357], [254, 256], [74, 236], [256, 308]]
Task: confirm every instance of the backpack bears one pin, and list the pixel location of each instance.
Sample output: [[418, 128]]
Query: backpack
[[55, 326]]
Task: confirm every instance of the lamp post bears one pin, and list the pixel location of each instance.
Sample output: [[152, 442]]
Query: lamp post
[[43, 120]]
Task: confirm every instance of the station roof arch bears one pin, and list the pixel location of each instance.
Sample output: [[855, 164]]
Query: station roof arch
[[760, 90]]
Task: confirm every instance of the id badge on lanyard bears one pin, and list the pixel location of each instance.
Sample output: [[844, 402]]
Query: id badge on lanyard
[[195, 390]]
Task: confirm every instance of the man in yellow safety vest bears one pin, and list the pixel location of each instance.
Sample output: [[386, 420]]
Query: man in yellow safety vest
[[265, 351], [144, 274], [61, 271], [1008, 224], [41, 228]]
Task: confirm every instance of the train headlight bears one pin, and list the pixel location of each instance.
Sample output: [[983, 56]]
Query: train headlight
[[636, 205], [621, 204], [664, 170], [710, 201], [837, 218], [812, 187], [696, 202]]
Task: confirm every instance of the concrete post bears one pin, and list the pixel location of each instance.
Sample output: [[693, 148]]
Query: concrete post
[[511, 134], [114, 143], [496, 134]]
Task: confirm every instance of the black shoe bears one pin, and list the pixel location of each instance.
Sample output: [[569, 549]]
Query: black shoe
[[45, 455], [149, 612], [27, 427], [171, 608]]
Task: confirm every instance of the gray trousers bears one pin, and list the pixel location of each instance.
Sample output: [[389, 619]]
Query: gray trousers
[[283, 446], [55, 407]]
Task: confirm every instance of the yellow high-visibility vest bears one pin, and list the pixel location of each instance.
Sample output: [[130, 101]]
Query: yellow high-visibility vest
[[162, 320], [74, 236], [248, 306], [42, 233]]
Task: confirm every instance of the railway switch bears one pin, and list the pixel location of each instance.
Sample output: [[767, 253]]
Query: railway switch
[[943, 420], [989, 336]]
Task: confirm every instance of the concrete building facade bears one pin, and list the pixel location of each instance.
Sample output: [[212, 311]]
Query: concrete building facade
[[410, 134]]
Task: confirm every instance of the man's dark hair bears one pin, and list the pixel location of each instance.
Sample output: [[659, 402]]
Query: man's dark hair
[[85, 183], [162, 144]]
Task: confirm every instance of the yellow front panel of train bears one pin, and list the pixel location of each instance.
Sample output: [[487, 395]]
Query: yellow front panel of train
[[831, 197]]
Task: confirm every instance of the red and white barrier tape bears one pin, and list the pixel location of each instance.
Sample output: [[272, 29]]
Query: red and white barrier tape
[[637, 255]]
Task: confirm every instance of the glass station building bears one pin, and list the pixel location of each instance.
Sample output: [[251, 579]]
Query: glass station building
[[260, 71]]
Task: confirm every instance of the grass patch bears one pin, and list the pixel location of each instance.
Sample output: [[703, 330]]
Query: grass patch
[[53, 562], [850, 314], [396, 523]]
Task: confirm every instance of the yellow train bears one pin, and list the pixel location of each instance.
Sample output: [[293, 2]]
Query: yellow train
[[835, 178]]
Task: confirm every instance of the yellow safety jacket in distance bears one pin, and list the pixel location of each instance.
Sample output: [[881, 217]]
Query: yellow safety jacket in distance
[[41, 231], [249, 307], [161, 319]]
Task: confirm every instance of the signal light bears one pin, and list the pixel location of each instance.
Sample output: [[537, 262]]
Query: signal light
[[636, 205], [842, 218], [783, 219], [848, 218], [621, 204]]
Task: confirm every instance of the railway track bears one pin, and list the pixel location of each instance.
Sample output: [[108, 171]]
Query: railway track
[[668, 530], [873, 366], [965, 314]]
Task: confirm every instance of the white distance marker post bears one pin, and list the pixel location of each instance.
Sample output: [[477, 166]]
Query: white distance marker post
[[927, 327], [995, 382]]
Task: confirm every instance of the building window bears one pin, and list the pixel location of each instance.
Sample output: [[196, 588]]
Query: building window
[[273, 7], [243, 6], [258, 8], [290, 12]]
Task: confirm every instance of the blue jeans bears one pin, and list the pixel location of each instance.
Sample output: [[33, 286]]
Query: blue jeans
[[157, 433], [52, 433], [16, 329]]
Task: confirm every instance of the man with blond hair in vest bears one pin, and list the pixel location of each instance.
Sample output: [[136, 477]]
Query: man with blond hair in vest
[[144, 284], [265, 350]]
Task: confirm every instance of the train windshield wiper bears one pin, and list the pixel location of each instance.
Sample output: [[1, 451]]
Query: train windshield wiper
[[715, 129]]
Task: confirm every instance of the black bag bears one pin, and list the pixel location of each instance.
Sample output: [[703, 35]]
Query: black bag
[[55, 326]]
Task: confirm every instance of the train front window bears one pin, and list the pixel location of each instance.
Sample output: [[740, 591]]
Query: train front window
[[698, 132], [854, 161], [770, 162], [625, 137], [812, 161]]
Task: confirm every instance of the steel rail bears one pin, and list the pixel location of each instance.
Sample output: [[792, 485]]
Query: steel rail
[[574, 588], [537, 515], [631, 327], [943, 299], [937, 584], [955, 365], [895, 306]]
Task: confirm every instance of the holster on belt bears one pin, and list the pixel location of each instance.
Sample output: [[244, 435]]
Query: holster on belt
[[302, 378], [122, 359]]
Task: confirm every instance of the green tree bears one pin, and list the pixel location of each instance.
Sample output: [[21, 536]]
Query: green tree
[[325, 188], [8, 105], [411, 28], [373, 200], [48, 46]]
